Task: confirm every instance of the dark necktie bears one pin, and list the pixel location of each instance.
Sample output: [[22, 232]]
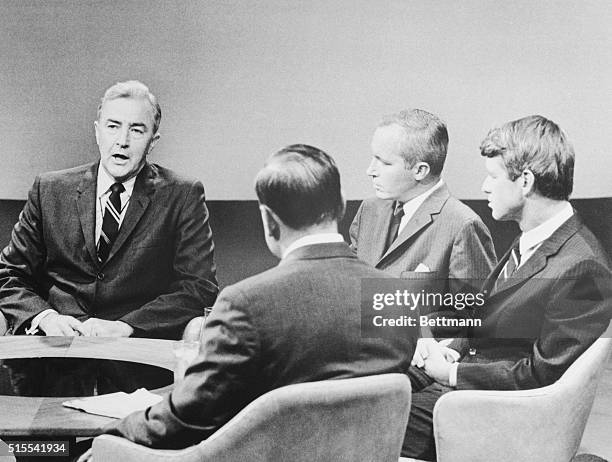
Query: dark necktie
[[110, 222], [514, 259], [396, 219]]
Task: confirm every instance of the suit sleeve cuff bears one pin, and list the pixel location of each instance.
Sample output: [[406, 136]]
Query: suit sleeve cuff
[[36, 321]]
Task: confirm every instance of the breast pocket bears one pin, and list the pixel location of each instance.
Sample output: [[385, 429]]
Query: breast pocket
[[423, 275], [421, 281]]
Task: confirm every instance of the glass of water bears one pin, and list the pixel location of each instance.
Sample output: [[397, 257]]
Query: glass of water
[[186, 350]]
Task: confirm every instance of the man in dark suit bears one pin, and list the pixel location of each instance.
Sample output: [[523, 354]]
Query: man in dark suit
[[297, 322], [414, 225], [549, 297], [119, 247]]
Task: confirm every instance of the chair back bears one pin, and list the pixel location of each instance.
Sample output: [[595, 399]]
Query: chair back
[[337, 420], [5, 454], [577, 389], [543, 424], [341, 420]]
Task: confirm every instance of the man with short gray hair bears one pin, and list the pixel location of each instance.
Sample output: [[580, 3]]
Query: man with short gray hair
[[414, 228], [119, 247]]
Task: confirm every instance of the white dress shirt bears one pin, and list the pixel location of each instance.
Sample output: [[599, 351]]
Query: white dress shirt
[[310, 239], [103, 183], [413, 204], [532, 239]]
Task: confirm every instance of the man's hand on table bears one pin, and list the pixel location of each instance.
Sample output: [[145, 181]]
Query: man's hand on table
[[95, 327], [61, 325], [64, 325]]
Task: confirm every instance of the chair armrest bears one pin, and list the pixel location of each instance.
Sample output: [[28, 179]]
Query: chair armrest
[[478, 425], [109, 447]]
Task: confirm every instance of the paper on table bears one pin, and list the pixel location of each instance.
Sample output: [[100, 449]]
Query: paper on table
[[116, 405]]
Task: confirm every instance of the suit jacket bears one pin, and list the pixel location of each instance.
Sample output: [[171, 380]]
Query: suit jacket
[[444, 234], [538, 322], [297, 322], [159, 273]]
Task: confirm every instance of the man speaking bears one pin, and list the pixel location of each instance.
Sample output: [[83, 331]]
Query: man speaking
[[119, 247]]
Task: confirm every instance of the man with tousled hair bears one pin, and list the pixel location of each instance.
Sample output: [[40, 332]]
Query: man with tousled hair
[[548, 298]]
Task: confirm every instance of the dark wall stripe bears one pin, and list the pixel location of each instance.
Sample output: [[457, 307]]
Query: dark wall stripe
[[241, 249]]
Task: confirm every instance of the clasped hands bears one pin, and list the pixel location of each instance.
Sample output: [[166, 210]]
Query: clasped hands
[[64, 325], [435, 358]]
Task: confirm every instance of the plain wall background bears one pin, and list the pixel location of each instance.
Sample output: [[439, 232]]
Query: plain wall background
[[239, 79]]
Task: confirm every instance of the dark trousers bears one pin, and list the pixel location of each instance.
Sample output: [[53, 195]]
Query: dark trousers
[[419, 440]]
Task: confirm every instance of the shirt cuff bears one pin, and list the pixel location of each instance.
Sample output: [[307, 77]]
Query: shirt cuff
[[454, 353], [36, 321], [452, 375]]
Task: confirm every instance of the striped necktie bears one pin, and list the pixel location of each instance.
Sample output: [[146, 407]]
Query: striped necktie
[[110, 222], [513, 262]]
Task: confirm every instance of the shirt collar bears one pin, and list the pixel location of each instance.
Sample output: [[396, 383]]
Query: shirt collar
[[413, 204], [540, 233], [310, 239], [105, 181]]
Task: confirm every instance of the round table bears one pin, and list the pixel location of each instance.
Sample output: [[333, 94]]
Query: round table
[[26, 416]]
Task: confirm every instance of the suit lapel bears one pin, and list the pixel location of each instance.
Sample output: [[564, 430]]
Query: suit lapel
[[422, 217], [537, 262], [143, 188], [534, 265], [489, 283], [86, 207], [380, 230]]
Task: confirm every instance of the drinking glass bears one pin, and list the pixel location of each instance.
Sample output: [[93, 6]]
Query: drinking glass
[[186, 350]]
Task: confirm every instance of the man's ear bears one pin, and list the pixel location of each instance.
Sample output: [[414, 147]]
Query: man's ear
[[421, 170], [527, 180], [343, 197], [96, 132], [153, 142], [270, 222]]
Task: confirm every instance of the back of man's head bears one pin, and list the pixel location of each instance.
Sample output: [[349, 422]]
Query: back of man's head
[[133, 89], [536, 144], [426, 138], [301, 185]]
